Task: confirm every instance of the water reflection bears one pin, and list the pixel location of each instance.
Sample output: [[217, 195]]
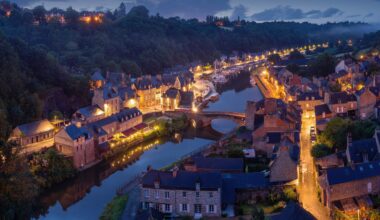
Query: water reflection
[[85, 196], [235, 94], [223, 125]]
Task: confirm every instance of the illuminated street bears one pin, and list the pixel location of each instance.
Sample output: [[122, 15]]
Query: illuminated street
[[307, 182]]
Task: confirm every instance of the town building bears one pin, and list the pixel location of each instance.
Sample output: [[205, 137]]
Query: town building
[[284, 166], [342, 104], [343, 187], [367, 98], [182, 193], [76, 143], [34, 136], [323, 115]]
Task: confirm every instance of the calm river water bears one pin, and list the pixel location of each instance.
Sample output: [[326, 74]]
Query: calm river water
[[85, 196]]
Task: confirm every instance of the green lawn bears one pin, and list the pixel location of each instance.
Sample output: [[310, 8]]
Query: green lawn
[[114, 209]]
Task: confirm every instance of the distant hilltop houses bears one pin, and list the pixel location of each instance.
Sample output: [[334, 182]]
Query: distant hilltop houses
[[115, 116]]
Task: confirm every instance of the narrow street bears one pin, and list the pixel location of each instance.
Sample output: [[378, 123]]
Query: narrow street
[[307, 183]]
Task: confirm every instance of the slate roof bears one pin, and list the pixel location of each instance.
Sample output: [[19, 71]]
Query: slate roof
[[305, 96], [171, 93], [341, 97], [97, 76], [183, 180], [348, 174], [74, 132], [339, 74], [36, 127], [241, 181], [359, 149], [284, 167], [218, 164], [293, 211], [319, 109], [125, 114], [89, 111]]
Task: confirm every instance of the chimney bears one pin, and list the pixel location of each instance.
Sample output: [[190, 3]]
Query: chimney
[[175, 171], [148, 168]]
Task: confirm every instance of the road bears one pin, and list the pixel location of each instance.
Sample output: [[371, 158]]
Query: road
[[307, 185]]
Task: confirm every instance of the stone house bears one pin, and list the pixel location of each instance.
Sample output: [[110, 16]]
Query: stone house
[[308, 100], [34, 136], [182, 193], [107, 98], [77, 143], [284, 166], [171, 99], [342, 103], [88, 114], [367, 99], [362, 151], [342, 183], [323, 115]]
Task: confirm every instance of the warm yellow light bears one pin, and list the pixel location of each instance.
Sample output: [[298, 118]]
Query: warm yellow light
[[195, 109]]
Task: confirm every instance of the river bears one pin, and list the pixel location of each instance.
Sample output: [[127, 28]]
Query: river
[[85, 196]]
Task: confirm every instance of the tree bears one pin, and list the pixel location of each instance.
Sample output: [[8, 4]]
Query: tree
[[274, 58], [322, 66], [138, 12], [257, 213], [130, 67], [296, 55], [335, 134], [320, 150], [71, 16], [39, 14]]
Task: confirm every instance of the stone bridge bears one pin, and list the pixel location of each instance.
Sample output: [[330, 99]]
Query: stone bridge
[[204, 118]]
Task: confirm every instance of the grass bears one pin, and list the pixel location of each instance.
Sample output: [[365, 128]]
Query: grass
[[114, 209]]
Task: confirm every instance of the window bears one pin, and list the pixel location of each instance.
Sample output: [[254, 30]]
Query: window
[[167, 195], [146, 193], [211, 209], [211, 194], [184, 208], [197, 194], [184, 194], [369, 187], [157, 194], [167, 208], [197, 208]]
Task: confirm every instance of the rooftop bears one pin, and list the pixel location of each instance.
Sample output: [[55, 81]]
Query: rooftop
[[182, 180], [357, 172], [36, 127]]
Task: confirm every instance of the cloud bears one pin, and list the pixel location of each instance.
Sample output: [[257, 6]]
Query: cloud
[[368, 15], [288, 13], [239, 12], [26, 3], [185, 8]]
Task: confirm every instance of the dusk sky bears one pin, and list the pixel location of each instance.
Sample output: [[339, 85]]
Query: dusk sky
[[259, 10]]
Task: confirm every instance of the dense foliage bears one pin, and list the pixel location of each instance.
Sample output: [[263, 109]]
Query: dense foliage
[[320, 150], [114, 209], [335, 134], [45, 64], [21, 179]]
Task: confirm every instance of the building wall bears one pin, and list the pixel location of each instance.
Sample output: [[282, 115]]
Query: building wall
[[367, 102], [176, 199], [343, 107], [149, 97], [123, 126], [352, 189], [40, 137], [81, 150]]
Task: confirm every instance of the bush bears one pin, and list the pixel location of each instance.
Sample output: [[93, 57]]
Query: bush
[[320, 150], [115, 208], [235, 153], [290, 193]]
